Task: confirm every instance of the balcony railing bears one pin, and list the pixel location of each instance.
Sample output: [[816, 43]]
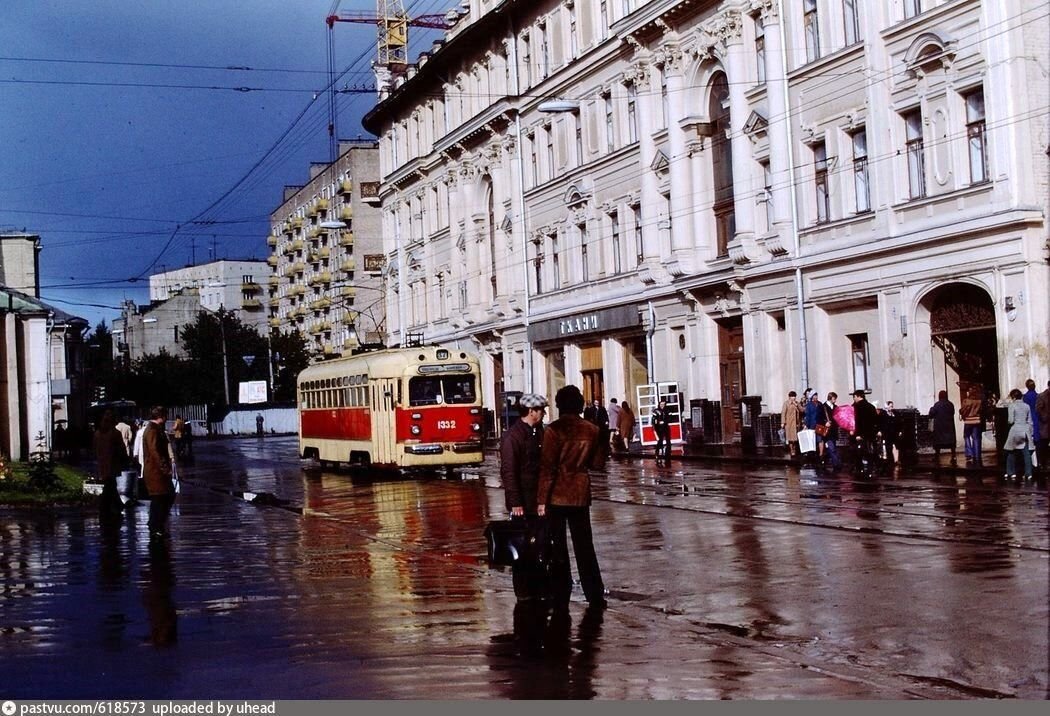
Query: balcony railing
[[346, 213], [346, 186], [346, 238], [323, 277], [348, 265], [271, 240]]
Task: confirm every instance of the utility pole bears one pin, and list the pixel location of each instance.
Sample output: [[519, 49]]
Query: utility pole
[[225, 373]]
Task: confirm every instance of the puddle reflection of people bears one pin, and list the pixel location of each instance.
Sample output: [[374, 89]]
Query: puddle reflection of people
[[158, 578], [563, 668]]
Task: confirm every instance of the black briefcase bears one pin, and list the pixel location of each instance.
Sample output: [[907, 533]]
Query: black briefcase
[[521, 540]]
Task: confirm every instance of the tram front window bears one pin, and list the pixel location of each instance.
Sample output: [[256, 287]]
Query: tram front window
[[435, 390]]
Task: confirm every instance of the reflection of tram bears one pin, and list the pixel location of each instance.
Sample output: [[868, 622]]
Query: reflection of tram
[[404, 407]]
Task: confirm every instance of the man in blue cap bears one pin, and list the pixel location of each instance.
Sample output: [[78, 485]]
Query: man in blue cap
[[519, 472]]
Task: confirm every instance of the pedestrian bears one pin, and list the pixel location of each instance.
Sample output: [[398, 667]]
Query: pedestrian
[[110, 458], [259, 425], [790, 419], [1000, 427], [831, 428], [942, 425], [520, 474], [972, 413], [614, 419], [889, 426], [1020, 438], [136, 443], [865, 426], [625, 427], [127, 433], [1042, 439], [661, 422], [1031, 398], [601, 419], [179, 431], [812, 418], [570, 447], [158, 462]]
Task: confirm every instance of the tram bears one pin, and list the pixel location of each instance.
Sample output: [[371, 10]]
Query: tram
[[413, 407]]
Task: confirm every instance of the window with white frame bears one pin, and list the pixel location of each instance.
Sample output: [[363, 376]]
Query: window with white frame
[[767, 193], [603, 19], [551, 168], [574, 41], [555, 263], [861, 182], [585, 264], [614, 227], [537, 263], [665, 100], [859, 359], [578, 129], [912, 8], [610, 137], [639, 247], [916, 153], [463, 295], [975, 136], [534, 160], [820, 181], [632, 112], [851, 21], [760, 50], [526, 58], [545, 52], [811, 28]]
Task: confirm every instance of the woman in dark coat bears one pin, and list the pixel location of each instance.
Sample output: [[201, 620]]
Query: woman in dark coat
[[110, 459], [943, 418]]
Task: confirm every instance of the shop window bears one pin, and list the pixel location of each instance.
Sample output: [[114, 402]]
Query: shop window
[[859, 352]]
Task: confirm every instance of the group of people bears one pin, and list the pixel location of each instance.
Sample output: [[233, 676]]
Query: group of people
[[615, 423], [875, 432], [117, 446], [546, 474], [1022, 426]]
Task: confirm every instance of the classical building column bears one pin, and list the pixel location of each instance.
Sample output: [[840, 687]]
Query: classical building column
[[646, 155], [742, 247], [779, 149], [681, 193]]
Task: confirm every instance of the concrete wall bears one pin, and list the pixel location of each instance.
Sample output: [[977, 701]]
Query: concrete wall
[[242, 422]]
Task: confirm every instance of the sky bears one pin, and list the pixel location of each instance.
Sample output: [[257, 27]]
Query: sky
[[131, 142]]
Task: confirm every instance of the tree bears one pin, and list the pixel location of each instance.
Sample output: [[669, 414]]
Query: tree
[[290, 355], [210, 337]]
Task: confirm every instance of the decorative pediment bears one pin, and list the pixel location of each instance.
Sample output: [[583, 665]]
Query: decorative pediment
[[660, 163], [507, 224], [575, 198], [755, 127], [932, 50]]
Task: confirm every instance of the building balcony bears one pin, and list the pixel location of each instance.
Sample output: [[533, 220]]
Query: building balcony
[[318, 206], [274, 322], [348, 265], [346, 213], [250, 287], [346, 238], [294, 268], [272, 261], [297, 245], [320, 278], [271, 241], [296, 223], [321, 303], [273, 280], [346, 186], [348, 291], [296, 290], [250, 303]]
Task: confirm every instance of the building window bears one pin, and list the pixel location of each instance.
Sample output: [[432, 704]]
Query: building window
[[610, 138], [665, 101], [639, 247], [851, 21], [603, 16], [442, 299], [820, 175], [632, 115], [812, 29], [534, 161], [861, 184], [614, 224], [537, 263], [585, 263], [550, 153], [574, 42], [760, 50], [526, 59], [767, 194], [175, 329], [912, 8], [859, 351], [555, 263], [545, 53], [579, 138], [916, 159], [975, 137]]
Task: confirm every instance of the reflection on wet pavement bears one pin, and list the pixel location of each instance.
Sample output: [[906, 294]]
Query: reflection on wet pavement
[[734, 582]]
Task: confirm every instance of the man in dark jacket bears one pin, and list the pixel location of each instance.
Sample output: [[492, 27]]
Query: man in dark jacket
[[520, 472], [660, 419], [158, 458], [570, 449], [943, 428]]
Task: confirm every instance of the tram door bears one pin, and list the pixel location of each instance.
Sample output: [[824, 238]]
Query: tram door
[[384, 401]]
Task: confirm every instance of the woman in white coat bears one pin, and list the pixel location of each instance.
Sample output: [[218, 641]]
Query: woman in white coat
[[1019, 439]]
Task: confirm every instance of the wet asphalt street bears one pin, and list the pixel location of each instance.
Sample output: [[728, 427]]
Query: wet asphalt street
[[728, 581]]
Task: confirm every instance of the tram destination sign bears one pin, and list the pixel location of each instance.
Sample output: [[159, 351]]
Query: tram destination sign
[[584, 323]]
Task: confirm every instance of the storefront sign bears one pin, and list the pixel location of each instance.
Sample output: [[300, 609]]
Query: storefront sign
[[591, 322]]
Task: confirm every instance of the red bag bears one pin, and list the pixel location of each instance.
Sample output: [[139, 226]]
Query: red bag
[[821, 429]]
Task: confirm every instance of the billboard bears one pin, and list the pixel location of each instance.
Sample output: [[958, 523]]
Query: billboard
[[252, 391]]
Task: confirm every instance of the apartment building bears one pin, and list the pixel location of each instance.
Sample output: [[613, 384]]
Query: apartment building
[[232, 285], [744, 197], [327, 255]]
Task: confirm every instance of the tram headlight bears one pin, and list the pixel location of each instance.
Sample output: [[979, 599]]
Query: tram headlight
[[416, 430], [476, 427]]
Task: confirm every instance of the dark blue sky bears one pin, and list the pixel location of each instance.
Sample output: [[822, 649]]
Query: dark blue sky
[[115, 130]]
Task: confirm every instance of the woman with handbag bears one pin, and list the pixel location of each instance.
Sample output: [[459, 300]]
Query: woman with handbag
[[813, 418], [1020, 438], [829, 429]]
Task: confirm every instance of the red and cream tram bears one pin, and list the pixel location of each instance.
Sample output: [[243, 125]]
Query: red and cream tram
[[398, 408]]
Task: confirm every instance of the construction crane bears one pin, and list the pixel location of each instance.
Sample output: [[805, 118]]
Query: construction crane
[[392, 23]]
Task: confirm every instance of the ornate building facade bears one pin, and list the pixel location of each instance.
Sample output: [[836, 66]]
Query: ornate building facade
[[744, 197]]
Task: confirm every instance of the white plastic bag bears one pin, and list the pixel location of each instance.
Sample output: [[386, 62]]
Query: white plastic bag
[[807, 440], [175, 479]]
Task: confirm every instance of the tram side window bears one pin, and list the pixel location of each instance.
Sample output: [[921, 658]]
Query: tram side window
[[434, 390]]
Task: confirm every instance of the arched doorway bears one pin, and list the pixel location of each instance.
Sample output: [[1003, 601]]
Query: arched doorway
[[962, 331]]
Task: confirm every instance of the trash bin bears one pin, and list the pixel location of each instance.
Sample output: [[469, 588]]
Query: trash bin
[[750, 407]]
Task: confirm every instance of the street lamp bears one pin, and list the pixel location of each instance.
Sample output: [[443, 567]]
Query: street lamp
[[333, 224]]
